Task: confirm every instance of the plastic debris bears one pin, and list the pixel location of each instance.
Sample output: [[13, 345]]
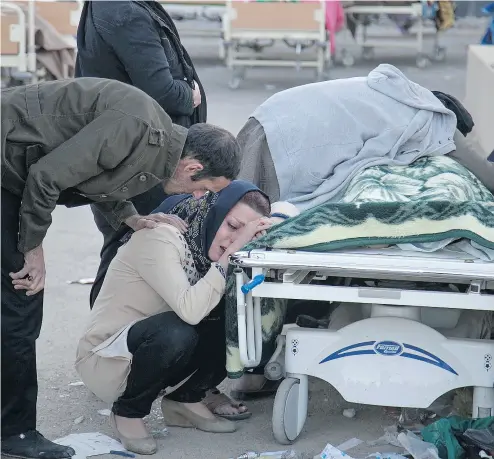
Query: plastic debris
[[331, 452], [269, 455], [349, 413], [387, 456], [349, 444], [160, 432], [83, 281], [123, 453], [444, 434], [105, 412], [79, 420], [418, 448], [480, 438], [77, 383], [390, 437], [90, 444]]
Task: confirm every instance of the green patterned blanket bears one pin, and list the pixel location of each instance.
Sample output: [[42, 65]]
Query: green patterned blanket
[[433, 200]]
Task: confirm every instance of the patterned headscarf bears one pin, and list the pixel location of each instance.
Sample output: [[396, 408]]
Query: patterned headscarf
[[204, 217]]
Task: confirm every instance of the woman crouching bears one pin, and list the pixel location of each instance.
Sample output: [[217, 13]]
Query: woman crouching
[[159, 317]]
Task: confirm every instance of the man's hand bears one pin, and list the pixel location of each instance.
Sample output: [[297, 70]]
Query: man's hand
[[137, 222], [32, 276], [196, 95]]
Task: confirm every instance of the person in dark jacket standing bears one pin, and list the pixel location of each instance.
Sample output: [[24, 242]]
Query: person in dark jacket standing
[[75, 142], [136, 42]]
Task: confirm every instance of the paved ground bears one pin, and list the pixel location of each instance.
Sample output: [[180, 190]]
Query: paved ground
[[72, 249]]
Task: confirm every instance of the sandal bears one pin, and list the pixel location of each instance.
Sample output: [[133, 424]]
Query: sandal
[[215, 400], [267, 389]]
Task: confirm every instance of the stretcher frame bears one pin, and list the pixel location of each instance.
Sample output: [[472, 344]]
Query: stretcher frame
[[19, 53], [412, 41], [253, 22], [15, 50], [288, 274]]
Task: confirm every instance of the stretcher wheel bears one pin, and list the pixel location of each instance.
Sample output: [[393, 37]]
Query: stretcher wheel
[[234, 82], [439, 53], [422, 61], [285, 412], [238, 74], [347, 59], [367, 53]]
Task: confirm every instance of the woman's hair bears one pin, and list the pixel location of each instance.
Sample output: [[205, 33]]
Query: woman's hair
[[257, 202]]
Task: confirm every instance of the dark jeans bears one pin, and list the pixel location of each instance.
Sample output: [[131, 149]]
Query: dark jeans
[[144, 203], [165, 351], [21, 324]]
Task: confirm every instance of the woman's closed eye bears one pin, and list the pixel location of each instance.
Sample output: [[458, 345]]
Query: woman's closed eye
[[232, 226]]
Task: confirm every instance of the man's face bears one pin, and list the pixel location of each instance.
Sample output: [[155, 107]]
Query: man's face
[[182, 182]]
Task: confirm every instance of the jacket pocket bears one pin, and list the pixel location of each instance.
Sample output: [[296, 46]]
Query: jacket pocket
[[138, 184], [33, 154]]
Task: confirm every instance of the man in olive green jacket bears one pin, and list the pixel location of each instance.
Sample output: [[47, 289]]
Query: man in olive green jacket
[[77, 142]]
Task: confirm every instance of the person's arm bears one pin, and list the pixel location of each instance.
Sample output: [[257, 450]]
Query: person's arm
[[87, 154], [470, 155], [116, 212], [133, 36], [158, 260]]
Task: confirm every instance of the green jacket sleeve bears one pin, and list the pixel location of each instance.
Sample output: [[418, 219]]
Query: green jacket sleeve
[[116, 212], [101, 145]]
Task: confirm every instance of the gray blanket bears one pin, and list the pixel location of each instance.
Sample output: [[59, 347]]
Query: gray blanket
[[321, 135]]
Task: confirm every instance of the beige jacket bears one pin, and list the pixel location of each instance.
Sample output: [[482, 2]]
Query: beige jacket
[[148, 276]]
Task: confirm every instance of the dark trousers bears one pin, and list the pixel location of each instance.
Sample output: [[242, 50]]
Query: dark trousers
[[165, 351], [144, 203], [21, 324]]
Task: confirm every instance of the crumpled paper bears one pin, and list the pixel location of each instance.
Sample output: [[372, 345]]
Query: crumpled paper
[[90, 444]]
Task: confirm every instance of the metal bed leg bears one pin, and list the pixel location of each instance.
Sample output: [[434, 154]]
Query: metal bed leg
[[249, 323], [31, 44], [483, 402]]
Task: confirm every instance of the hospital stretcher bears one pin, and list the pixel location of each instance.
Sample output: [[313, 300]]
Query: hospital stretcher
[[368, 42], [18, 31], [392, 358], [256, 25]]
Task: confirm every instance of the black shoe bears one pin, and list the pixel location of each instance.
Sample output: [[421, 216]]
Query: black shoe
[[32, 445]]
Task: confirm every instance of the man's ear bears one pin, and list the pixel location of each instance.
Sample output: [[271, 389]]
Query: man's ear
[[193, 167]]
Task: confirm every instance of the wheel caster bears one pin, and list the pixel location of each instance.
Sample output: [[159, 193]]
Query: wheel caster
[[422, 62], [347, 60], [367, 53], [286, 426], [439, 53], [237, 77], [234, 83]]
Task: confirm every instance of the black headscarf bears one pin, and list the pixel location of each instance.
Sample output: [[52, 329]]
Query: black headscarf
[[204, 217]]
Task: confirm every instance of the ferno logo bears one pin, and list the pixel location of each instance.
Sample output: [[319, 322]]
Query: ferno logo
[[388, 348]]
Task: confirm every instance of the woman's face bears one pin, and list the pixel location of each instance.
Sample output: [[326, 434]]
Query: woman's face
[[236, 219]]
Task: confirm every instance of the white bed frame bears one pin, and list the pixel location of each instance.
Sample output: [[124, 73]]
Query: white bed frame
[[274, 21], [391, 358], [412, 41]]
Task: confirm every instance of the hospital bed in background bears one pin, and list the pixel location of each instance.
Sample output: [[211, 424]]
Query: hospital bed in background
[[210, 11], [250, 27], [17, 47], [364, 14], [18, 42]]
